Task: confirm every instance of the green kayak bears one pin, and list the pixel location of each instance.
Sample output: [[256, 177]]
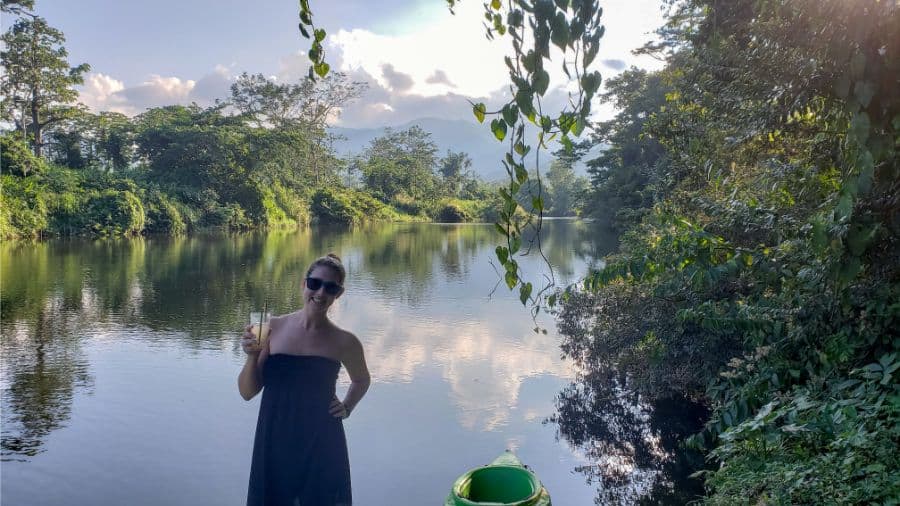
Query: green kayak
[[503, 482]]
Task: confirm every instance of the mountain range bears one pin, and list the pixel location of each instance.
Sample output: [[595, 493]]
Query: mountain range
[[470, 137]]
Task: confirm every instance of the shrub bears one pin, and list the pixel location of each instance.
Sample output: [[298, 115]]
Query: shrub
[[163, 216], [452, 212], [189, 214], [68, 213], [23, 211], [62, 180], [231, 216], [112, 212], [102, 181], [332, 206], [254, 202], [275, 215], [16, 157], [408, 205], [295, 207], [371, 208]]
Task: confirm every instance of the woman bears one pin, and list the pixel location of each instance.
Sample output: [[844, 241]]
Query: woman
[[300, 452]]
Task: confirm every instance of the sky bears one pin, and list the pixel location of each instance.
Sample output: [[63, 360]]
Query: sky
[[418, 58]]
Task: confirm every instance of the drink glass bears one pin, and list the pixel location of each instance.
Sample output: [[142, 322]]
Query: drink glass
[[259, 321]]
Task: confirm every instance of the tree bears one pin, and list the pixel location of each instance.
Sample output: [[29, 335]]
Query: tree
[[16, 6], [455, 171], [70, 142], [624, 175], [564, 188], [399, 162], [761, 276], [38, 83], [115, 140], [195, 147], [298, 114], [17, 158], [82, 140]]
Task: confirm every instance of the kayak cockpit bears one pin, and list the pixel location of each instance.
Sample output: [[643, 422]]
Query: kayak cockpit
[[504, 482]]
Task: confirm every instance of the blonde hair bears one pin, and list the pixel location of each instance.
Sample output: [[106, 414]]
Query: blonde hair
[[332, 262]]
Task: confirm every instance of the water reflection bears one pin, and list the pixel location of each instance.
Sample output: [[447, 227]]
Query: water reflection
[[634, 447], [419, 295], [41, 369]]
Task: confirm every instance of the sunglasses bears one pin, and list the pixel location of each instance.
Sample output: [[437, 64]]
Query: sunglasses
[[331, 288]]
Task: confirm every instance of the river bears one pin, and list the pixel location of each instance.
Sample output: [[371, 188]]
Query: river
[[120, 360]]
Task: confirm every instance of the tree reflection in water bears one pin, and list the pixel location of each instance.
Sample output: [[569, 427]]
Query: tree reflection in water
[[634, 447], [42, 373], [57, 296]]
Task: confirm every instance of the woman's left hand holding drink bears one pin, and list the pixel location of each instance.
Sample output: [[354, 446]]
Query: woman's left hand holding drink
[[249, 341], [258, 330], [254, 340]]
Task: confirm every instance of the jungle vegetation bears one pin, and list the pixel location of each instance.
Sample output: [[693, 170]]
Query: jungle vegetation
[[259, 158]]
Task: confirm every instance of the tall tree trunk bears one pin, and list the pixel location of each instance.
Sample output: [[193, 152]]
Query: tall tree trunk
[[36, 126], [35, 97]]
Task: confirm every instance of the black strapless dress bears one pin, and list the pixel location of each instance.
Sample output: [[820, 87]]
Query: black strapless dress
[[300, 451]]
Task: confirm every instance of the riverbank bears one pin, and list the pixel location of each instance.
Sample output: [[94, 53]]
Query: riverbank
[[57, 201]]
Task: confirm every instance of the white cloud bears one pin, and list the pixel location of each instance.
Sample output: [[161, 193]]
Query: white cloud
[[483, 361], [453, 44], [397, 81], [159, 91], [101, 92], [453, 49], [212, 86], [440, 77], [430, 70]]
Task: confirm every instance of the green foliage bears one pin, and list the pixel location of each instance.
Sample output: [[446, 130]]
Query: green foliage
[[400, 162], [189, 146], [756, 178], [66, 201], [84, 140], [329, 206], [275, 215], [623, 176], [229, 216], [16, 158], [837, 438], [16, 6], [565, 190], [114, 134], [409, 205], [456, 174], [316, 53], [296, 209], [38, 84], [115, 212], [23, 210], [348, 207], [457, 211], [289, 123], [163, 216]]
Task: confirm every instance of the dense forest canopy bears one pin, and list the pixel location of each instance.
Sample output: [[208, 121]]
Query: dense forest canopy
[[754, 181], [261, 157]]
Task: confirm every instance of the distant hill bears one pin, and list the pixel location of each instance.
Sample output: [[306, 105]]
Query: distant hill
[[456, 135]]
